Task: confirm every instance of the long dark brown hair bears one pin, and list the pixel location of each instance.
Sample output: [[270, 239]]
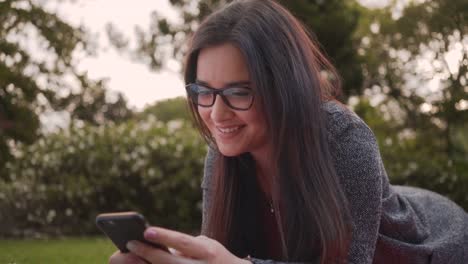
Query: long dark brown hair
[[292, 79]]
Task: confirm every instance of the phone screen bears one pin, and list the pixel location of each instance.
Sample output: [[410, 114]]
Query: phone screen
[[123, 227]]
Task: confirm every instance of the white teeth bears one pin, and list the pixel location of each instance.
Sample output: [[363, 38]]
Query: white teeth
[[228, 130]]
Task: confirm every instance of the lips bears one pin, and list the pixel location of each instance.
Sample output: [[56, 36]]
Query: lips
[[228, 131]]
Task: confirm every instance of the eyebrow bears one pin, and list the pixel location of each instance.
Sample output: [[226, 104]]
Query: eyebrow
[[229, 84]]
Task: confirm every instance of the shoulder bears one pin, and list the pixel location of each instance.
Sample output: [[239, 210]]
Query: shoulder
[[346, 129], [353, 145], [359, 168], [339, 119]]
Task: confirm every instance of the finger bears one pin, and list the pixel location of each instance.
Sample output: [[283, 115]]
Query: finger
[[203, 237], [186, 244], [175, 252], [128, 258], [154, 255]]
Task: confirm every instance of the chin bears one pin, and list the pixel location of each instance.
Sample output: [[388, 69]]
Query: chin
[[229, 152]]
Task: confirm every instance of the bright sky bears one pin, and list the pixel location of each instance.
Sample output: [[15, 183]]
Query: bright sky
[[139, 85], [134, 80]]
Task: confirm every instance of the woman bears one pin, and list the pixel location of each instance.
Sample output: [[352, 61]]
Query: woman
[[291, 174]]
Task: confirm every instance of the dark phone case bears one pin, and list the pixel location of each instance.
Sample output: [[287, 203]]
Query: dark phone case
[[123, 227]]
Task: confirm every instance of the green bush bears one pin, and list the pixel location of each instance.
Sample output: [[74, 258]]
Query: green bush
[[167, 110], [417, 156], [59, 184]]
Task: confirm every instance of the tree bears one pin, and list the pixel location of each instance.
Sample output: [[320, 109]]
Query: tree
[[333, 22], [92, 105], [36, 64], [416, 62], [168, 110], [409, 54]]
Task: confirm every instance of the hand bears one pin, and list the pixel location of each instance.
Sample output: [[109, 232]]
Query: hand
[[186, 249]]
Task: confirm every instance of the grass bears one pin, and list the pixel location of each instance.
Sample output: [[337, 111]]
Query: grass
[[56, 251]]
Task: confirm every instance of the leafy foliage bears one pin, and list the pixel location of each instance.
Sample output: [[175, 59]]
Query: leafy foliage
[[60, 183], [36, 64], [417, 62], [411, 157], [167, 110]]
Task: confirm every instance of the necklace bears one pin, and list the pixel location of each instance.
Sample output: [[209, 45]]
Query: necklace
[[272, 209]]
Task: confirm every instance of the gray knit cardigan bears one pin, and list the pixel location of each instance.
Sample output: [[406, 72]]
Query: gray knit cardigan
[[390, 224]]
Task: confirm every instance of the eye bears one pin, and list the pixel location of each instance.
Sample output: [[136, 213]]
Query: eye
[[238, 92], [199, 90], [204, 91]]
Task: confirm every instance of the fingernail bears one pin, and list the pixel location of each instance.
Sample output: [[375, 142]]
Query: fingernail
[[150, 233], [131, 245]]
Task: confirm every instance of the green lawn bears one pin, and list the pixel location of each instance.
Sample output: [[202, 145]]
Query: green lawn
[[56, 251]]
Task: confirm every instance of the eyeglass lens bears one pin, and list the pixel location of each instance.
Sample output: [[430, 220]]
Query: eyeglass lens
[[237, 97]]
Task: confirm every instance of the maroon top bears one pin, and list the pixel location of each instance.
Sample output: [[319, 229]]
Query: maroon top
[[270, 230]]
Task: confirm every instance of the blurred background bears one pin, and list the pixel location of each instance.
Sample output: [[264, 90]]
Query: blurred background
[[93, 116]]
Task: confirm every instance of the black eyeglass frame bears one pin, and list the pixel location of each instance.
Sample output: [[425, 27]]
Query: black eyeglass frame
[[219, 92]]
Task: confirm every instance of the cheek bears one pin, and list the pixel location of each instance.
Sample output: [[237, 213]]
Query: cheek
[[205, 115], [259, 121], [255, 117]]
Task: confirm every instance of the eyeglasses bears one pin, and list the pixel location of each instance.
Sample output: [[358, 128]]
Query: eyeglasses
[[237, 98]]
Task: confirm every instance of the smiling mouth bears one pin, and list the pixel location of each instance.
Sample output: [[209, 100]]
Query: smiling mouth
[[228, 130]]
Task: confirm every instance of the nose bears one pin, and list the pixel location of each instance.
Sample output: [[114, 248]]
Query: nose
[[220, 111]]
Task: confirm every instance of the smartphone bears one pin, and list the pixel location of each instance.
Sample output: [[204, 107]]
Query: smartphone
[[122, 227]]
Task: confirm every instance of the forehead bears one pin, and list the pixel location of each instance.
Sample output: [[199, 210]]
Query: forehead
[[221, 64]]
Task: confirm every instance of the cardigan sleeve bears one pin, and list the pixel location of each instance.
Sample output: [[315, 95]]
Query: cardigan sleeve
[[207, 187], [357, 163], [359, 168]]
